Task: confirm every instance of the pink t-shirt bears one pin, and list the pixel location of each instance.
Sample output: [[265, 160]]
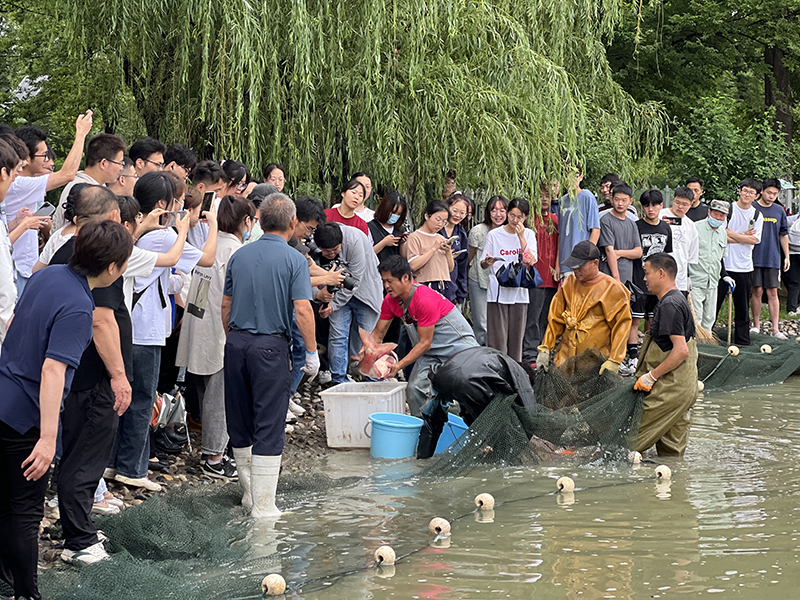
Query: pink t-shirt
[[427, 307]]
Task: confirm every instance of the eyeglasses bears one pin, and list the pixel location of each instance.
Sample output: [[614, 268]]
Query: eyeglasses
[[120, 163], [159, 165], [748, 191], [513, 217], [44, 155], [309, 230], [134, 175], [457, 213], [439, 220]]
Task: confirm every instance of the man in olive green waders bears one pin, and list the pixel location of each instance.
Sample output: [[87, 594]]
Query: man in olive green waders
[[667, 369]]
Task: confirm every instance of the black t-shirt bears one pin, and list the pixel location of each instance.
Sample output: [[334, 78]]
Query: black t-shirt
[[654, 238], [379, 232], [698, 213], [91, 369], [672, 317]]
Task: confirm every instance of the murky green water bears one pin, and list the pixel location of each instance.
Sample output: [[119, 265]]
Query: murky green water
[[726, 524]]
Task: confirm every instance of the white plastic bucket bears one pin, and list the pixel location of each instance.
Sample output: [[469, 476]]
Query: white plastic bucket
[[349, 405]]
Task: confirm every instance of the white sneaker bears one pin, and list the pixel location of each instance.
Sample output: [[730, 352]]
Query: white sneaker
[[628, 366], [139, 482], [289, 429], [324, 377], [793, 313], [755, 330], [290, 417], [781, 336], [87, 556], [296, 408]]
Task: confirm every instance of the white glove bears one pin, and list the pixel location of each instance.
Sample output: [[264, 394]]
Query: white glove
[[311, 368], [731, 283], [543, 359]]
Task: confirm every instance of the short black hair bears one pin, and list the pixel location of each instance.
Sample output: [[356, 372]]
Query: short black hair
[[328, 236], [6, 128], [662, 260], [103, 146], [360, 174], [98, 245], [752, 183], [622, 188], [182, 156], [396, 266], [611, 178], [152, 187], [771, 182], [145, 148], [16, 144], [437, 206], [31, 136], [696, 180], [8, 158], [650, 197], [683, 192], [208, 172], [310, 209]]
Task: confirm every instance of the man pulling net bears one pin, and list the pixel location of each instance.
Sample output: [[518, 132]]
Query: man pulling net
[[591, 310], [667, 367]]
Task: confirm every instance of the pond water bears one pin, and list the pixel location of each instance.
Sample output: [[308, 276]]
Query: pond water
[[727, 523]]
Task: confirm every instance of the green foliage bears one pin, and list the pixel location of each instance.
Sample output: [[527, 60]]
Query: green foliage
[[503, 91], [715, 145]]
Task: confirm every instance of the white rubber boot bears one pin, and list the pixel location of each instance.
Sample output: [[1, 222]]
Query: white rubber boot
[[243, 457], [264, 472]]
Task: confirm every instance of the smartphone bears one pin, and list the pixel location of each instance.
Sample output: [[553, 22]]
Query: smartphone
[[676, 221], [45, 210], [457, 252], [208, 200], [452, 240], [170, 219]]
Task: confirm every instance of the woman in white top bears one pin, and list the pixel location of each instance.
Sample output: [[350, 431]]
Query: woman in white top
[[201, 348], [507, 307], [494, 216]]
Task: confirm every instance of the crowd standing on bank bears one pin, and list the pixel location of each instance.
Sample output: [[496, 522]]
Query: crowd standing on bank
[[154, 269]]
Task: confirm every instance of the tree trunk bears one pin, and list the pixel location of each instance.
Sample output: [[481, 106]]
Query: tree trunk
[[778, 92]]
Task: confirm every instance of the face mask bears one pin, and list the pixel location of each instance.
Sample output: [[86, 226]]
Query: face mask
[[393, 218], [715, 222], [246, 236]]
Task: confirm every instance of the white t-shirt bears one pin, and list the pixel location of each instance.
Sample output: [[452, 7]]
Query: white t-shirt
[[740, 256], [57, 239], [685, 247], [152, 319], [25, 192], [8, 288], [58, 218], [506, 247], [140, 264]]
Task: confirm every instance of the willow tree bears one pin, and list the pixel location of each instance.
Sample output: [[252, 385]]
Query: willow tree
[[501, 90]]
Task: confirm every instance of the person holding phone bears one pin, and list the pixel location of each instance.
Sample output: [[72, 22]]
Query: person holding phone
[[428, 252], [456, 289], [387, 226], [507, 308]]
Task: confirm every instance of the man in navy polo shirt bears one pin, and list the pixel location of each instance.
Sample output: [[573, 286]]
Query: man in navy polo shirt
[[42, 349], [265, 282]]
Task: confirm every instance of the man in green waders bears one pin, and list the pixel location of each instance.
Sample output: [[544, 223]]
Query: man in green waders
[[667, 369]]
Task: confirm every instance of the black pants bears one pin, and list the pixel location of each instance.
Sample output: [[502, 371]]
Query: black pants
[[741, 307], [88, 426], [258, 381], [21, 511], [792, 280]]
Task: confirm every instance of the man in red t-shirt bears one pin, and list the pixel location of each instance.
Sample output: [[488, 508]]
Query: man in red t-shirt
[[436, 328]]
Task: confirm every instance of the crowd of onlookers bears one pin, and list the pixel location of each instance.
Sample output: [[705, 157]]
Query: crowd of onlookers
[[162, 323]]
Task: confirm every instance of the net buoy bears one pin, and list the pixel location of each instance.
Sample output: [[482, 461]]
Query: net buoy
[[700, 386], [663, 472], [385, 556], [484, 501], [565, 484], [273, 585], [439, 526], [634, 457], [733, 350], [484, 516], [766, 349]]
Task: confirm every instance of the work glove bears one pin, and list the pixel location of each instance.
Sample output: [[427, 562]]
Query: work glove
[[609, 365], [645, 382], [311, 368], [731, 283], [543, 359]]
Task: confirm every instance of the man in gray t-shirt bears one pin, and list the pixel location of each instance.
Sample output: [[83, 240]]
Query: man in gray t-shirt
[[619, 240]]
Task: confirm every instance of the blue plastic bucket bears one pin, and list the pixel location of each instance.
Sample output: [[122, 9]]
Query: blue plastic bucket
[[394, 435], [453, 429]]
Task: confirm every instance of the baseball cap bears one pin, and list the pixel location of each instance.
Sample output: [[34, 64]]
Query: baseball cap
[[582, 253], [721, 206]]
